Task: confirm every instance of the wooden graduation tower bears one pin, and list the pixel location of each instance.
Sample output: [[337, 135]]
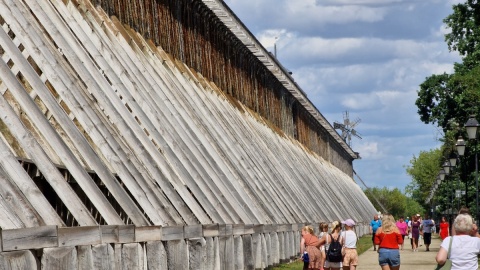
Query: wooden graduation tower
[[157, 134]]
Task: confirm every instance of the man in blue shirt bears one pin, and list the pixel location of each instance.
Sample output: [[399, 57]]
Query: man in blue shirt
[[426, 228], [374, 225]]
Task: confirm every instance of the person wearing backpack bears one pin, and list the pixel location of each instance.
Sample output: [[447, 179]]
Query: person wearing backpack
[[333, 247], [349, 243]]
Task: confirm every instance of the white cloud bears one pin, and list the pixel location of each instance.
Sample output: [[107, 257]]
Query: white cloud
[[367, 57]]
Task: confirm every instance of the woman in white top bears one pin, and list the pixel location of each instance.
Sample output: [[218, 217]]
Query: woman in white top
[[349, 241], [464, 248], [323, 227]]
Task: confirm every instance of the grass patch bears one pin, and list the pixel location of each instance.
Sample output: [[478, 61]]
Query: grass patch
[[363, 244]]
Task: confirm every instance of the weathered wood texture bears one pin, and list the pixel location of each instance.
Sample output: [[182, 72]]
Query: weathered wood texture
[[247, 251], [114, 129]]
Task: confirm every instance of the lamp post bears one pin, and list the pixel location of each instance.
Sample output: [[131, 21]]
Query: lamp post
[[460, 146], [471, 126]]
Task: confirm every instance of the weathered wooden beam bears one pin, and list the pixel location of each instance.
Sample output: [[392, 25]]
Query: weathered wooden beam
[[29, 238], [79, 236], [148, 233]]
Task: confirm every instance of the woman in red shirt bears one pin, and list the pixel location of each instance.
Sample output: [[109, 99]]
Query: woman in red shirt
[[388, 238], [444, 228]]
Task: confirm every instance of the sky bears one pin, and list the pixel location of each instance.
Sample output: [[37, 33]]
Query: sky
[[364, 57]]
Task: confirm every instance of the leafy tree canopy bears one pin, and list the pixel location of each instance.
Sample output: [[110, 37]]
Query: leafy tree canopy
[[448, 100], [423, 170]]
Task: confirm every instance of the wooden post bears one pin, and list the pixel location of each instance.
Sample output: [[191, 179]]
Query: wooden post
[[197, 250], [177, 255], [156, 256], [59, 258], [103, 257], [132, 257], [275, 249], [213, 253], [19, 260], [239, 254], [248, 252], [85, 257]]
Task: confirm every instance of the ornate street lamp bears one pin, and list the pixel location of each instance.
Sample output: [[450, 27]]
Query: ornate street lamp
[[442, 174], [446, 167], [471, 126], [460, 146], [453, 159]]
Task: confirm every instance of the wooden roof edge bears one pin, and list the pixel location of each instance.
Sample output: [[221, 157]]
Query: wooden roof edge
[[232, 22]]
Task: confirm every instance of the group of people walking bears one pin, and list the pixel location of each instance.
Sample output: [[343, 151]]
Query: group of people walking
[[332, 250], [460, 245], [336, 249]]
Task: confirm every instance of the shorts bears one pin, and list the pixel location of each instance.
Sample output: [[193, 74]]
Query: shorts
[[387, 256], [333, 264], [351, 257], [427, 238]]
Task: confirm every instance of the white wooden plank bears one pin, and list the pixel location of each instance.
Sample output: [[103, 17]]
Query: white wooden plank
[[119, 114], [126, 233], [210, 230], [87, 107], [170, 233], [79, 236], [193, 231], [24, 183], [51, 173], [148, 233], [185, 137], [178, 165], [8, 219], [29, 238], [14, 201], [177, 135], [109, 233], [80, 175], [107, 178]]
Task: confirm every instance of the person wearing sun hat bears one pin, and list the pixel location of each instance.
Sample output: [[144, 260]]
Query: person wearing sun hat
[[349, 242]]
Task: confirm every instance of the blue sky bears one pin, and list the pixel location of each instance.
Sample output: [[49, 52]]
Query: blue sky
[[367, 57]]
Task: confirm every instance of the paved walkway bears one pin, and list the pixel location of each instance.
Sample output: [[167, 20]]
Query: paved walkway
[[420, 260]]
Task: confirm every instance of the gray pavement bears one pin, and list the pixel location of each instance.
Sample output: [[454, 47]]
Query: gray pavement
[[420, 260]]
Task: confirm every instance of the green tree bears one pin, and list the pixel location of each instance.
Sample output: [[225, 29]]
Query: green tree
[[453, 97], [394, 201], [413, 208], [447, 100], [423, 170]]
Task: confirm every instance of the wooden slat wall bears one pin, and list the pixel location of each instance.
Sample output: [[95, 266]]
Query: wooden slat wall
[[127, 135]]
